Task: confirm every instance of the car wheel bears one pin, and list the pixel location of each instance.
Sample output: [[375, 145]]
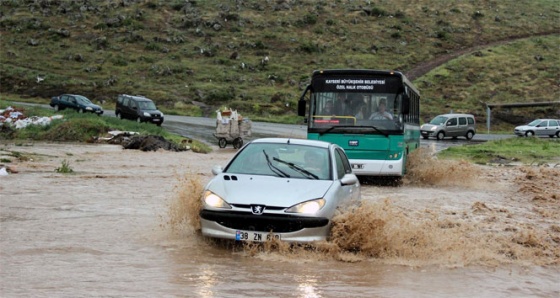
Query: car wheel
[[56, 108], [81, 111], [529, 134], [222, 143], [139, 120], [440, 135], [558, 134], [470, 135], [237, 143], [119, 116]]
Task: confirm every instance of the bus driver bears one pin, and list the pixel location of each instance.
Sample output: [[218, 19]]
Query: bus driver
[[381, 113]]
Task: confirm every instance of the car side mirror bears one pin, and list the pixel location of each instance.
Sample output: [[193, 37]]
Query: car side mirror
[[216, 170], [349, 179]]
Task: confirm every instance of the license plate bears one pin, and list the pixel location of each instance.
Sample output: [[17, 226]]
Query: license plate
[[255, 236]]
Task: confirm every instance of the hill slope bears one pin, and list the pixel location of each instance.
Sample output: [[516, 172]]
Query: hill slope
[[192, 56]]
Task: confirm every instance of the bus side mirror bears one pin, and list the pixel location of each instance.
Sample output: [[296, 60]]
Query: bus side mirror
[[301, 107], [405, 104]]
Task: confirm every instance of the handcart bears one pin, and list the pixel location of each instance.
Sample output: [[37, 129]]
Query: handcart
[[231, 128]]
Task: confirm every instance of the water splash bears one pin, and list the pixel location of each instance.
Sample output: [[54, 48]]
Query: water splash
[[478, 232], [424, 168]]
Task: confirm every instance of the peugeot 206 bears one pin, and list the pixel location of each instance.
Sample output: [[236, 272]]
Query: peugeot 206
[[279, 188]]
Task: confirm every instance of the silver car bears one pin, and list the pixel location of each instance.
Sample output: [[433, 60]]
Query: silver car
[[279, 188], [450, 125], [539, 127]]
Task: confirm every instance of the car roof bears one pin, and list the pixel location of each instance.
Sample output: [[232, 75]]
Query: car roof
[[456, 115], [137, 97], [305, 142]]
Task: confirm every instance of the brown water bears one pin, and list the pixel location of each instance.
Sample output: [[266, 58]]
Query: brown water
[[124, 225]]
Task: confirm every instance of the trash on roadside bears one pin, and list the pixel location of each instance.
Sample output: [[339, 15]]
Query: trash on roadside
[[16, 117]]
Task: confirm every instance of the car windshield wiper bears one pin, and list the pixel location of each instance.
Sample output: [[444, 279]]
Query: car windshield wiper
[[297, 168], [273, 168]]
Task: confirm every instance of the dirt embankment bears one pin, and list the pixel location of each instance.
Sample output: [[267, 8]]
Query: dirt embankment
[[425, 67]]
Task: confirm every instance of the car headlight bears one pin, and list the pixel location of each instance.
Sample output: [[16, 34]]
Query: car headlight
[[161, 114], [89, 108], [433, 128], [309, 207], [146, 114], [213, 200]]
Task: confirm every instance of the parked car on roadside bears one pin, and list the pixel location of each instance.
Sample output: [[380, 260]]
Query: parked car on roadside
[[450, 125], [139, 108], [539, 127], [279, 188], [76, 102]]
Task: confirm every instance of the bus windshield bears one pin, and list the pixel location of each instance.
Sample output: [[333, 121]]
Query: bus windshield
[[354, 110]]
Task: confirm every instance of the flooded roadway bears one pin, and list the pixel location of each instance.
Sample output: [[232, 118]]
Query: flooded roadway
[[116, 227]]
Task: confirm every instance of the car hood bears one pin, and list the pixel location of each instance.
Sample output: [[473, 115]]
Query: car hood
[[267, 190], [524, 127], [428, 126], [152, 111], [92, 105]]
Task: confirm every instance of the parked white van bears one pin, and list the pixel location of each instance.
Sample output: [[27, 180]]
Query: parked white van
[[450, 125]]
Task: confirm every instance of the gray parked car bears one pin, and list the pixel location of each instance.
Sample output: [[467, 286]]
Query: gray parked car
[[450, 125], [279, 188], [539, 127]]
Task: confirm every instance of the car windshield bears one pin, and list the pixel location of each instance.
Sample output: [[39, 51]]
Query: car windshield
[[439, 120], [147, 105], [534, 123], [282, 160], [83, 99]]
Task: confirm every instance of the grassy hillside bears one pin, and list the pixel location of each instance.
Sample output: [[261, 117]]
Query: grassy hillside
[[194, 56]]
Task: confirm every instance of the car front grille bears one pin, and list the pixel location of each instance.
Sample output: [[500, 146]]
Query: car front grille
[[263, 223]]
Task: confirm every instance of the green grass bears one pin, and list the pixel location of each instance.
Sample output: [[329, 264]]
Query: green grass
[[64, 168], [177, 53], [75, 127], [515, 149]]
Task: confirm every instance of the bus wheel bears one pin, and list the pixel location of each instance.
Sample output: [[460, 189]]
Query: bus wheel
[[440, 135]]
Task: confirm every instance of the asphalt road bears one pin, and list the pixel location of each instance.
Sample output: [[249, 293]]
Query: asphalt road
[[202, 129]]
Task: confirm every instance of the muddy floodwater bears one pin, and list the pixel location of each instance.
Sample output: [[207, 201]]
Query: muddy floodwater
[[123, 224]]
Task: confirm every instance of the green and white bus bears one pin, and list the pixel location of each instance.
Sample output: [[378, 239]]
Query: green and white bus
[[376, 139]]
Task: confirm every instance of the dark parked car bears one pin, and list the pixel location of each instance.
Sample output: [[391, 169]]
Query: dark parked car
[[539, 127], [138, 108], [76, 102]]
